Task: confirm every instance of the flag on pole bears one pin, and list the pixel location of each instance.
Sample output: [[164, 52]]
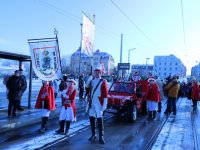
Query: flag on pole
[[45, 58], [88, 29]]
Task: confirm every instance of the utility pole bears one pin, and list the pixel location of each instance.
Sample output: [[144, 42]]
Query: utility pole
[[120, 72], [129, 51], [147, 63]]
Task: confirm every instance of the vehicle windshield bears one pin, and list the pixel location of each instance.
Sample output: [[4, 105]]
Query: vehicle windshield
[[122, 87]]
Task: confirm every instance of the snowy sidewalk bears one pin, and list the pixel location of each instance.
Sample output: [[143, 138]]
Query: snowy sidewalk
[[178, 132]]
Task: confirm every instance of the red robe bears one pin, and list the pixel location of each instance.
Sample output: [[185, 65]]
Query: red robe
[[195, 92], [72, 98], [49, 100], [153, 93]]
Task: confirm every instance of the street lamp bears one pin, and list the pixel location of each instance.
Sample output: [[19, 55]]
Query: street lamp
[[129, 51], [147, 63]]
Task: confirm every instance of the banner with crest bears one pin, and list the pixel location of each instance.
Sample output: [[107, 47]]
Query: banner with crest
[[88, 29], [45, 58]]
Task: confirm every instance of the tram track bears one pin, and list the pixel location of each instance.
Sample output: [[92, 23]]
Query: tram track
[[86, 127], [194, 130], [157, 131]]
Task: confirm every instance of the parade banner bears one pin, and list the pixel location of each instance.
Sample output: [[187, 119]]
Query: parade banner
[[45, 58], [87, 36]]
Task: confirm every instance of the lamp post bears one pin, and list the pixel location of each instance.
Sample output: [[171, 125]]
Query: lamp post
[[147, 63], [129, 51]]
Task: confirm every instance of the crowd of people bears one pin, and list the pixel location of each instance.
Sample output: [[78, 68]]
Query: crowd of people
[[152, 90]]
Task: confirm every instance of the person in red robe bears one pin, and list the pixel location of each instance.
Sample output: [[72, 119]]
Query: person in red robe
[[195, 93], [46, 102], [152, 98], [68, 111]]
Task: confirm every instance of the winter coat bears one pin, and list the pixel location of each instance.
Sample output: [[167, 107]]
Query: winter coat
[[172, 88], [15, 86]]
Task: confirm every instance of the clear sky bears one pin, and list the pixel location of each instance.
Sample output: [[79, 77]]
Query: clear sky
[[152, 27]]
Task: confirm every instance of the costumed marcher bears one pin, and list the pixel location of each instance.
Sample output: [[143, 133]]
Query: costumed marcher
[[68, 111], [46, 102], [152, 98], [97, 101], [15, 87], [24, 83], [144, 85], [135, 77], [195, 93], [172, 88]]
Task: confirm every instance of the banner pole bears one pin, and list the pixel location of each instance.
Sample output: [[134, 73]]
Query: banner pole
[[56, 34], [80, 52]]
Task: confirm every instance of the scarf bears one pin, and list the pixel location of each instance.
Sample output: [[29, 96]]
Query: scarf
[[70, 90]]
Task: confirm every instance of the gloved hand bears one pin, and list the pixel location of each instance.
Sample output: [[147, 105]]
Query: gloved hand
[[105, 102], [63, 93]]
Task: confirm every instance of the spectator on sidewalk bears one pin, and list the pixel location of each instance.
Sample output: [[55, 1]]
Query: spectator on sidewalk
[[24, 83], [56, 87], [172, 89], [81, 86], [5, 79], [161, 92], [15, 87], [45, 102], [68, 111], [194, 93]]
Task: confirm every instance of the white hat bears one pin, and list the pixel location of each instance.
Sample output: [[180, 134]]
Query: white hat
[[72, 80], [151, 79]]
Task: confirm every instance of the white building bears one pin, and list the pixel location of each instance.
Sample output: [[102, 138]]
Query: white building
[[87, 62], [168, 65], [195, 72]]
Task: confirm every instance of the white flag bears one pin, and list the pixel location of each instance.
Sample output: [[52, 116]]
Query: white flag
[[87, 36], [45, 59]]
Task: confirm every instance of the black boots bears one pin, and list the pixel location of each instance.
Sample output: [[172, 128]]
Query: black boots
[[67, 127], [101, 130], [100, 127], [61, 130], [152, 115], [43, 126], [92, 125], [159, 107], [62, 125]]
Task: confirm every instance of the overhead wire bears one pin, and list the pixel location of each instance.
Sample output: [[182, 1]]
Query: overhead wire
[[78, 19], [183, 24], [134, 24]]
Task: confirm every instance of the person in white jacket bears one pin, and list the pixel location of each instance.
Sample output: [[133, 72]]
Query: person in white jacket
[[97, 100]]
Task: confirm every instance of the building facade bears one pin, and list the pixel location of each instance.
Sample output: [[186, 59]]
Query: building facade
[[87, 62], [195, 72], [142, 69], [168, 65]]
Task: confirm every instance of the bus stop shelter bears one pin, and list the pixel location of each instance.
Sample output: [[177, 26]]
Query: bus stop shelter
[[20, 58]]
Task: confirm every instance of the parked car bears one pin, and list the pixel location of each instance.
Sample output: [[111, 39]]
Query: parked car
[[123, 100]]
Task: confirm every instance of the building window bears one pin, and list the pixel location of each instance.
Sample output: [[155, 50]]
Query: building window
[[159, 63]]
